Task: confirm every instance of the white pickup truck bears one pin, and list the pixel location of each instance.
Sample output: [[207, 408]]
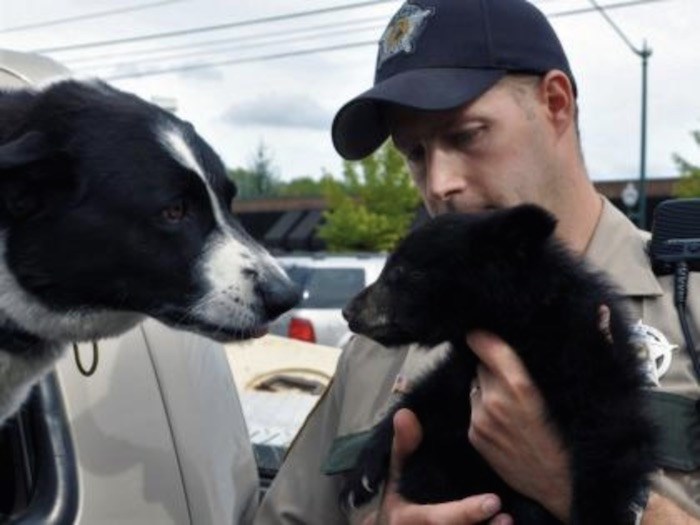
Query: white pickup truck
[[157, 434]]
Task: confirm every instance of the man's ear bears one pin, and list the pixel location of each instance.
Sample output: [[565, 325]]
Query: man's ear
[[23, 150], [558, 94]]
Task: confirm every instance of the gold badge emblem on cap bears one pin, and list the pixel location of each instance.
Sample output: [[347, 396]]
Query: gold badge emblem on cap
[[654, 349], [403, 31]]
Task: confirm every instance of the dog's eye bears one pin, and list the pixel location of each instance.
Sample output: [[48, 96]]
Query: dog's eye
[[175, 212]]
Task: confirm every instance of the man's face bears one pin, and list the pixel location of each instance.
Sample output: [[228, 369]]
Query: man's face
[[498, 151]]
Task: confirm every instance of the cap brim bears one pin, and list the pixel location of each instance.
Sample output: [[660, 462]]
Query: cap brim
[[359, 126]]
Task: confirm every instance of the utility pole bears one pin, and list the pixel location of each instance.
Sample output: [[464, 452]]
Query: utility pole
[[644, 54]]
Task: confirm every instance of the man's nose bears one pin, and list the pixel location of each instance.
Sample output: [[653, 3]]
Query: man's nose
[[445, 175]]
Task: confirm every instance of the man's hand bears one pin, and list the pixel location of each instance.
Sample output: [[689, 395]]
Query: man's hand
[[661, 511], [395, 510], [509, 427]]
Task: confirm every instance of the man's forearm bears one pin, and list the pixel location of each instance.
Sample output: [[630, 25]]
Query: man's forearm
[[662, 511]]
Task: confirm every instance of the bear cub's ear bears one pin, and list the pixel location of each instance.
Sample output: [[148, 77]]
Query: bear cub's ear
[[532, 221], [523, 227]]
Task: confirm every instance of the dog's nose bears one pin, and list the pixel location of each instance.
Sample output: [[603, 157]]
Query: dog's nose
[[278, 295]]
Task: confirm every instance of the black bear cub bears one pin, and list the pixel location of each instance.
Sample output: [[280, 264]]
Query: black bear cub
[[504, 272]]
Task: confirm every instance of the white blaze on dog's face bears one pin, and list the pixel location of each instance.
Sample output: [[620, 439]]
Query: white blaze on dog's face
[[233, 265], [102, 227], [111, 209]]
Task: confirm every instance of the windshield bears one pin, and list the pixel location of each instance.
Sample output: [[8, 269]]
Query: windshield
[[327, 287]]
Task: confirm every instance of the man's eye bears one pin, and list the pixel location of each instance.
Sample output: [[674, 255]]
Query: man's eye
[[174, 213], [415, 154], [467, 136]]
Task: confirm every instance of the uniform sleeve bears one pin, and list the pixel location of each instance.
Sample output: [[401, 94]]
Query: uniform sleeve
[[301, 493]]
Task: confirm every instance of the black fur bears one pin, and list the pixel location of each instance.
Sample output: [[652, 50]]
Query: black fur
[[505, 273], [111, 209], [88, 170], [83, 181]]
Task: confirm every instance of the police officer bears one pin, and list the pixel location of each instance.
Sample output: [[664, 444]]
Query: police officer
[[479, 97]]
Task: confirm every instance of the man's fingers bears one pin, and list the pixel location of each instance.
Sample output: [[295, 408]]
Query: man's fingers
[[474, 509], [604, 322], [495, 354], [407, 437], [371, 519], [394, 509]]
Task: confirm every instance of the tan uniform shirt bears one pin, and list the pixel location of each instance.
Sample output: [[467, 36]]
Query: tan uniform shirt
[[366, 382]]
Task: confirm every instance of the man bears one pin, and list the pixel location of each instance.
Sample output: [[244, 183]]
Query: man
[[479, 97]]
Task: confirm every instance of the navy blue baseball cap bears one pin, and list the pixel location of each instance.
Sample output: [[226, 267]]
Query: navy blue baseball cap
[[441, 54]]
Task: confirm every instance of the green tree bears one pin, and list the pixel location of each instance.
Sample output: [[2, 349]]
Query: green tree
[[301, 187], [244, 182], [259, 179], [689, 183], [371, 209], [264, 174]]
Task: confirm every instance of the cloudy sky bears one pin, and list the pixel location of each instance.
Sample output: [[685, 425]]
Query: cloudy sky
[[267, 86]]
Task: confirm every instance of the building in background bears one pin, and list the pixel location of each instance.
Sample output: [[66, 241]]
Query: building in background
[[289, 224]]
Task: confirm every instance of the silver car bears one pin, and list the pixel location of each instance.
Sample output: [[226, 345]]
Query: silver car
[[328, 283]]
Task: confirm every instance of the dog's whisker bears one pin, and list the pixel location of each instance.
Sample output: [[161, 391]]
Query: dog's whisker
[[115, 293]]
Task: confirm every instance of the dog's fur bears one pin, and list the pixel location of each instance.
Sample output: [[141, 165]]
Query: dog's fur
[[111, 209], [505, 273]]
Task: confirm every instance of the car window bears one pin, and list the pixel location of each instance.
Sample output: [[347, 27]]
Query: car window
[[327, 287]]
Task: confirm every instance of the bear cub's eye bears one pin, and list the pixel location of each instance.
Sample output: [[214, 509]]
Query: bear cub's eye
[[396, 274], [415, 276]]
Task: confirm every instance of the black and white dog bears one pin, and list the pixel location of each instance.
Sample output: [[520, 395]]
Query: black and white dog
[[111, 209]]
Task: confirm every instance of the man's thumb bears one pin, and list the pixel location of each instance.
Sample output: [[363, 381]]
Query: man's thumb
[[407, 436]]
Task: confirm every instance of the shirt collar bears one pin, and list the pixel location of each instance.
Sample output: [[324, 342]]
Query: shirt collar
[[619, 248]]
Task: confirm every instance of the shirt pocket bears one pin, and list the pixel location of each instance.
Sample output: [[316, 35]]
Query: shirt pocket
[[344, 452]]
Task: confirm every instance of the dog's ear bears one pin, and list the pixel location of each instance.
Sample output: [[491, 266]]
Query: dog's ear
[[26, 186], [23, 150]]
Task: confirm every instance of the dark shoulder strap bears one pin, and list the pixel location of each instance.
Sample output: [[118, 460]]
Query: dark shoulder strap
[[678, 421]]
